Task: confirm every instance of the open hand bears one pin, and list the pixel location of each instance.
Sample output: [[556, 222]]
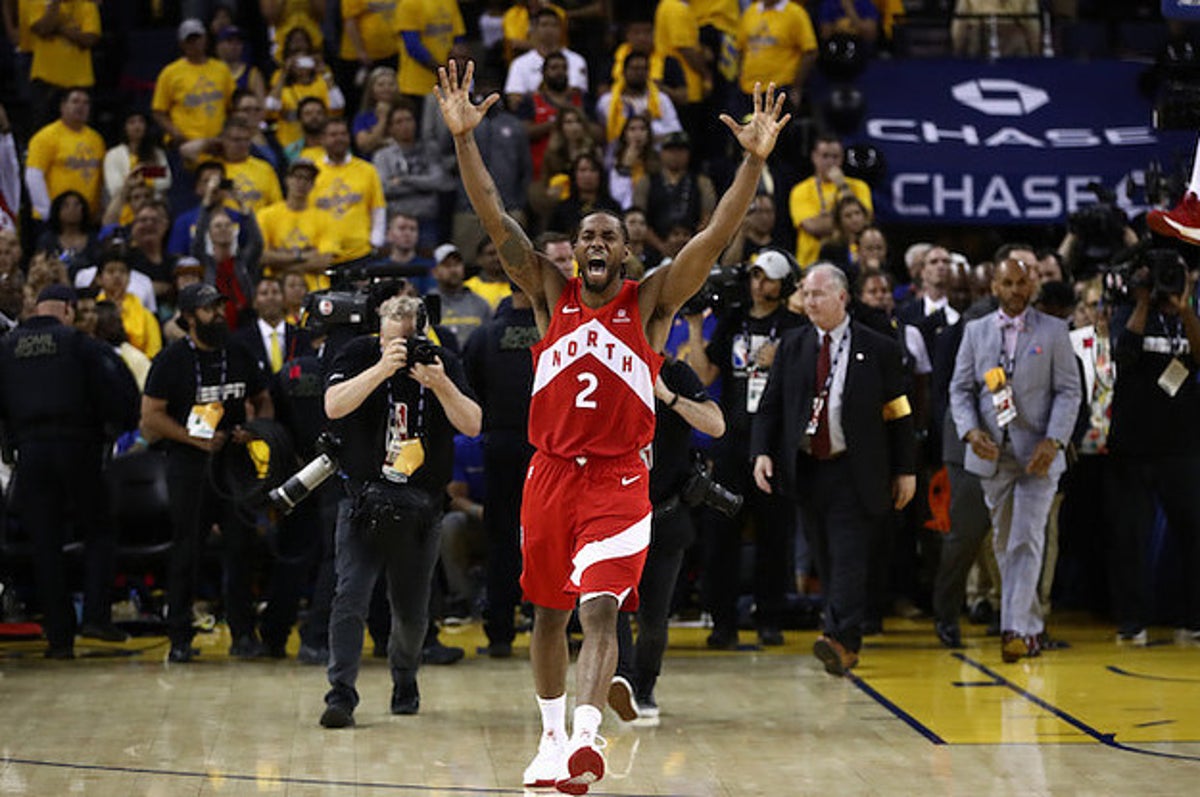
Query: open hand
[[1042, 459], [454, 97], [758, 135]]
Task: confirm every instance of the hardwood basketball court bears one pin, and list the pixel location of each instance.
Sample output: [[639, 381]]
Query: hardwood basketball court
[[914, 719]]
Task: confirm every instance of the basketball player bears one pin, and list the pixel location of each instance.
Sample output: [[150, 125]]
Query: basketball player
[[586, 511]]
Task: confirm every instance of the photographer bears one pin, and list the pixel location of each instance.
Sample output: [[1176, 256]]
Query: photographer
[[681, 404], [395, 401], [1155, 440], [741, 352]]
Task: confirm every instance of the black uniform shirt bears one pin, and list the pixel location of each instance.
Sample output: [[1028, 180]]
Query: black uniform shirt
[[185, 376], [672, 434], [364, 432], [500, 367], [734, 348]]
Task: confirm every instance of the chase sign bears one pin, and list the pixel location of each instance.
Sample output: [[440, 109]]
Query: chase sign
[[1013, 142]]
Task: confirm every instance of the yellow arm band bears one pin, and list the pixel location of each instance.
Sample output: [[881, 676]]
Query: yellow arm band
[[897, 408]]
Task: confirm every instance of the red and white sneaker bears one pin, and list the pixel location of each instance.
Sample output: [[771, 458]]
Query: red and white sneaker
[[547, 766], [585, 764], [1182, 221]]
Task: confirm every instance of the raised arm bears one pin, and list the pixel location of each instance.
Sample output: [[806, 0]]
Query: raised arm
[[667, 290], [462, 116]]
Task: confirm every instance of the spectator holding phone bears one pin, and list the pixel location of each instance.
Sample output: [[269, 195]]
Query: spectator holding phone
[[140, 149]]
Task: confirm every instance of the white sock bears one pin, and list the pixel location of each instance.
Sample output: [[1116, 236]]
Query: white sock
[[1194, 185], [587, 720], [554, 715]]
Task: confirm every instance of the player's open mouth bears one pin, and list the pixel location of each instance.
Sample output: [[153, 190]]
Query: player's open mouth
[[597, 267]]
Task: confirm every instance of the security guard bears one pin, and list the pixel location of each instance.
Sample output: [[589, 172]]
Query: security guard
[[500, 370], [59, 390]]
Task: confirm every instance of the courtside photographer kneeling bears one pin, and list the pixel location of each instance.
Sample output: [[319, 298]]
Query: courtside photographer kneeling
[[395, 401]]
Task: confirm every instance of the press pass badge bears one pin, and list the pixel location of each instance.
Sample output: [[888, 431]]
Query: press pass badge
[[204, 419], [1173, 377], [1002, 396], [755, 386], [814, 419]]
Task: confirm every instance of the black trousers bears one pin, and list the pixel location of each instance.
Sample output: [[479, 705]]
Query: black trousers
[[969, 524], [194, 506], [300, 542], [1172, 480], [59, 485], [505, 459], [774, 525], [641, 663], [839, 533]]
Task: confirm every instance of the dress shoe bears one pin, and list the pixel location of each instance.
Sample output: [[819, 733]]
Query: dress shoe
[[499, 650], [439, 654], [722, 639], [182, 654], [770, 636], [311, 655], [949, 635], [105, 632], [1014, 647], [59, 653], [835, 657], [337, 715], [247, 646], [406, 698]]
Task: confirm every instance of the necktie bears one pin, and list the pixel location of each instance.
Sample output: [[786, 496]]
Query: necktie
[[276, 352], [820, 442]]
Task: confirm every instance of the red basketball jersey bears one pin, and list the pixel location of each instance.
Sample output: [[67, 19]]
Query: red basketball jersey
[[593, 379]]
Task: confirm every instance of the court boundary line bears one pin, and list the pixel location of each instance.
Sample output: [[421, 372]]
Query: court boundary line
[[896, 711], [1107, 739], [283, 779]]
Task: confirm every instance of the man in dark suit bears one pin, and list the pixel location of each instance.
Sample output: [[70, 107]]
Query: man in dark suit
[[836, 428], [270, 340]]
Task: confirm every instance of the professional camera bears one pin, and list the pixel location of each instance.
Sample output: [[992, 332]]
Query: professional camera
[[301, 484], [1165, 275], [356, 295], [420, 350], [700, 488], [725, 290], [1099, 231]]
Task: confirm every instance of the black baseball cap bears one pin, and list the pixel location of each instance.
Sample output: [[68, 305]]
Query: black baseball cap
[[57, 293], [199, 295]]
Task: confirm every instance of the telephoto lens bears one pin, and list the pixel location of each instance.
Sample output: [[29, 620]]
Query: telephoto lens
[[297, 488]]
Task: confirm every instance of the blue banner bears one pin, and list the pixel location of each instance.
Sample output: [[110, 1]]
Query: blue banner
[[1012, 142], [1181, 9]]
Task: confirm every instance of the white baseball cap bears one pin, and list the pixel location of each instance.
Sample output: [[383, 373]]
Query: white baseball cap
[[444, 251], [774, 264]]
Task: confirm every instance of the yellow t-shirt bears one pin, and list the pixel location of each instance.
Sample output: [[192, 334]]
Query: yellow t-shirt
[[287, 127], [28, 12], [141, 327], [805, 202], [60, 62], [375, 23], [284, 228], [889, 10], [721, 14], [70, 160], [255, 182], [347, 195], [515, 24], [492, 292], [772, 42], [675, 27], [195, 96], [438, 22]]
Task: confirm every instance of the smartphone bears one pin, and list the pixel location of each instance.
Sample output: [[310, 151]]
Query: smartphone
[[225, 185], [154, 172]]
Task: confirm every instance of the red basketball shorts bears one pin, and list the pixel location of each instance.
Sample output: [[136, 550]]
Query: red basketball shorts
[[585, 528]]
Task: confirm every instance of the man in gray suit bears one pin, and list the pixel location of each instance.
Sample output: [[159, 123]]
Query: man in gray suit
[[1014, 397]]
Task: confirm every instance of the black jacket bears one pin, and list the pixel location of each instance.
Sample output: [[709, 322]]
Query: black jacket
[[878, 449]]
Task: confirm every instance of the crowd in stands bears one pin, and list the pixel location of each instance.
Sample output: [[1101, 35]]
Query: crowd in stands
[[147, 146]]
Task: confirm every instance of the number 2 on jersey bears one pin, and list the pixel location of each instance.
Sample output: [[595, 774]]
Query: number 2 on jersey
[[589, 382]]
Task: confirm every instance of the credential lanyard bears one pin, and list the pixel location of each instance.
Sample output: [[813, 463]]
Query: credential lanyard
[[419, 427], [199, 377]]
